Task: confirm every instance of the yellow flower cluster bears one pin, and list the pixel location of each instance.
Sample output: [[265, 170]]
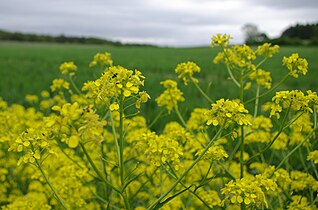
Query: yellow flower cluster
[[32, 144], [214, 153], [102, 60], [162, 150], [313, 156], [303, 181], [237, 57], [300, 203], [295, 99], [185, 70], [197, 120], [119, 83], [68, 68], [93, 151], [259, 131], [245, 190], [267, 50], [75, 124], [226, 112], [171, 96], [262, 78], [59, 84], [296, 65], [222, 40]]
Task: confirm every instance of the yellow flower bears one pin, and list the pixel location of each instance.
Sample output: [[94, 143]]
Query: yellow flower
[[295, 99], [68, 68], [313, 156], [114, 106], [171, 96], [221, 40], [296, 65], [185, 70], [225, 112], [58, 84], [262, 78], [267, 50], [31, 98], [102, 59]]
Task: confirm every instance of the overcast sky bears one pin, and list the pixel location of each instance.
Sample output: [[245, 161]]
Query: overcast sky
[[162, 22]]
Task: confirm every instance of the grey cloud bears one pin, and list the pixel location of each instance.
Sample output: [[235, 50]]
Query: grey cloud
[[286, 4], [141, 19]]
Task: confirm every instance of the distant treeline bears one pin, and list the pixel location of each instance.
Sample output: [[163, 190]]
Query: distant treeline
[[24, 37], [300, 34]]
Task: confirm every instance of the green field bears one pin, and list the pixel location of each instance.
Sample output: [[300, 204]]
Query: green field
[[28, 68]]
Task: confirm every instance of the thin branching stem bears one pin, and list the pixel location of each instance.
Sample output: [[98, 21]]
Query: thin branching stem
[[57, 196]]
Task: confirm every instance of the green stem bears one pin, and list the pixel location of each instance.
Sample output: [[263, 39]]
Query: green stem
[[173, 186], [185, 125], [270, 90], [174, 175], [121, 152], [242, 153], [242, 149], [202, 92], [232, 76], [256, 102], [156, 118], [282, 127], [260, 63], [99, 174], [295, 149], [58, 198], [75, 86]]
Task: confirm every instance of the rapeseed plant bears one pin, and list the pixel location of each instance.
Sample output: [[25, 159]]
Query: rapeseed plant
[[89, 147]]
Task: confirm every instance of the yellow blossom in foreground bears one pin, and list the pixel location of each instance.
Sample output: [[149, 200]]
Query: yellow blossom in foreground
[[295, 99], [296, 65], [225, 112], [300, 203], [244, 190], [185, 70]]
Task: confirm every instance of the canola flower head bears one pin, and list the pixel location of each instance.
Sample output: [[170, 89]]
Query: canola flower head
[[296, 65], [31, 144], [186, 70], [225, 112], [32, 98], [247, 191], [267, 50], [313, 156], [300, 203], [240, 57], [162, 149], [214, 153], [59, 84], [101, 59], [295, 99], [171, 96], [116, 82], [222, 40], [262, 78], [68, 68]]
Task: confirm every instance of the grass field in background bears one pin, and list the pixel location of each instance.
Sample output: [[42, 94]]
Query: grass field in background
[[28, 68]]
